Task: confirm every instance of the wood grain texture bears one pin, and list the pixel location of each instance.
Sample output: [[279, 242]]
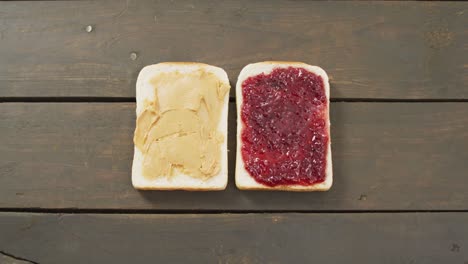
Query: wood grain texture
[[287, 238], [386, 156], [397, 50]]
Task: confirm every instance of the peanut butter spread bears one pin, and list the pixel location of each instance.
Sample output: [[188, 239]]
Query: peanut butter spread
[[177, 131]]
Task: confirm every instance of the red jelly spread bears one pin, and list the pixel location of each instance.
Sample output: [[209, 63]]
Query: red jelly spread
[[284, 138]]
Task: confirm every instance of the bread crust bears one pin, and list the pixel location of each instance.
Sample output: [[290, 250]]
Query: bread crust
[[243, 179]]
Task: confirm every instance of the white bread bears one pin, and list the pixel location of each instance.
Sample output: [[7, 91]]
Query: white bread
[[243, 179], [145, 90]]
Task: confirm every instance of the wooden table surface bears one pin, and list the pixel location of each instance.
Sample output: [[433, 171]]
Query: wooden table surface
[[399, 113]]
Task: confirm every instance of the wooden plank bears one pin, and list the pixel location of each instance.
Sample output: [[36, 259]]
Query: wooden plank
[[252, 238], [386, 156], [5, 259], [398, 50]]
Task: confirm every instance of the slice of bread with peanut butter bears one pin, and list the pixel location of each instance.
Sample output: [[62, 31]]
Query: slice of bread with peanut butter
[[181, 127]]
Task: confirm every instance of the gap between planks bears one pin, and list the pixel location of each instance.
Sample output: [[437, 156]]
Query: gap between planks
[[231, 100], [212, 212]]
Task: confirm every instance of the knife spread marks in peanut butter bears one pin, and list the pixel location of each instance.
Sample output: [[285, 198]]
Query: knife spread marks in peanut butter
[[178, 130]]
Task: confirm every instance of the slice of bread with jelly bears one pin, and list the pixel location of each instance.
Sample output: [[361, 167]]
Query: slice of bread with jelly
[[283, 127], [181, 127]]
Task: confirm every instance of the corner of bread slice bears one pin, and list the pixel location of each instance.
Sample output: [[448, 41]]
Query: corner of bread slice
[[145, 90], [244, 181]]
